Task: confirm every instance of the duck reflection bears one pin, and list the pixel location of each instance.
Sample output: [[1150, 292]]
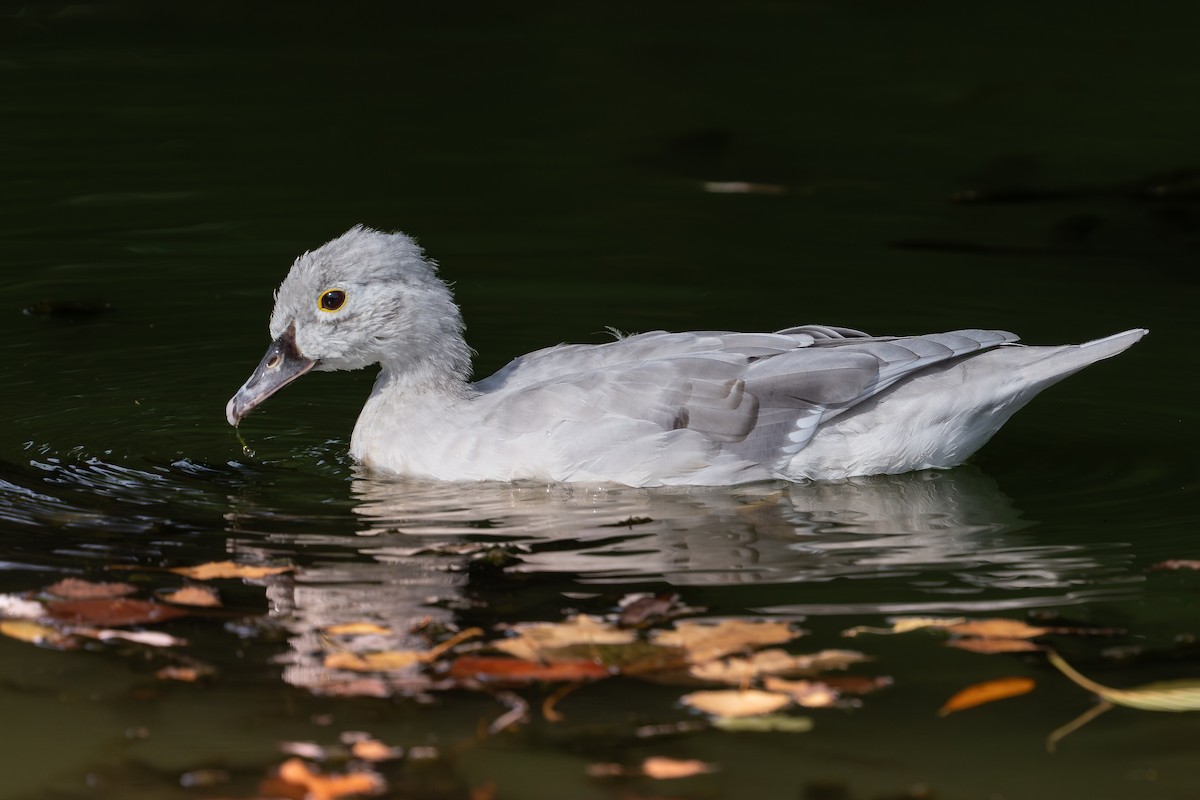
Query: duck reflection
[[928, 542]]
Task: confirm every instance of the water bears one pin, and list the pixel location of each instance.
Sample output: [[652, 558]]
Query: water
[[163, 167]]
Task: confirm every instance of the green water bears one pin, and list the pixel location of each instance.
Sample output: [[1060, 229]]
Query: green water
[[162, 166]]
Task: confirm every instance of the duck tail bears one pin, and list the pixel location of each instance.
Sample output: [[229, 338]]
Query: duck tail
[[1059, 362]]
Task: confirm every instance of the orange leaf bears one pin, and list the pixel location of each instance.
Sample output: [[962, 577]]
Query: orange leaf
[[329, 787], [193, 596], [228, 569], [997, 629], [995, 645], [986, 692], [515, 670], [662, 768]]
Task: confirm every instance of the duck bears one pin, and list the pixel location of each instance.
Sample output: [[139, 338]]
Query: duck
[[699, 408]]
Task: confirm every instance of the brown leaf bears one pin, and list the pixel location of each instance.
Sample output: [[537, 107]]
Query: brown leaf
[[706, 641], [994, 645], [194, 596], [1177, 563], [518, 671], [112, 612], [329, 787], [185, 674], [733, 703], [228, 569], [997, 629], [773, 661], [856, 684], [986, 692], [78, 589]]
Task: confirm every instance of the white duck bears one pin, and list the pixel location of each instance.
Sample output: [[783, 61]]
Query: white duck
[[701, 408]]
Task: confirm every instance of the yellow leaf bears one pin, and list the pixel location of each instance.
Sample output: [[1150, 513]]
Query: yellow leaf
[[704, 641], [1182, 695], [228, 569], [906, 624], [986, 692], [33, 632], [732, 703], [375, 662]]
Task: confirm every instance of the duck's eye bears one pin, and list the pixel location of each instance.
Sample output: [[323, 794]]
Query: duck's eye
[[332, 300]]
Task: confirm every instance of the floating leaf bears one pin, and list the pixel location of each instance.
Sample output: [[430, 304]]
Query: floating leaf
[[385, 661], [35, 633], [184, 674], [515, 670], [657, 767], [77, 589], [194, 596], [768, 723], [906, 624], [988, 646], [738, 670], [986, 692], [1180, 695], [734, 703], [538, 641], [997, 629], [809, 694], [706, 641], [1177, 563], [150, 638], [228, 569], [112, 611], [329, 787], [390, 660]]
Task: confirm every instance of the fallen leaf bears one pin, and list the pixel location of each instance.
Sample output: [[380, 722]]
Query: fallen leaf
[[374, 750], [734, 703], [997, 629], [905, 625], [112, 611], [663, 768], [988, 646], [1177, 563], [228, 569], [175, 673], [986, 692], [78, 589], [357, 629], [149, 638], [706, 641], [768, 723], [1180, 695], [36, 633], [329, 787], [537, 641], [809, 694], [194, 596], [518, 671], [774, 661], [856, 684], [385, 661]]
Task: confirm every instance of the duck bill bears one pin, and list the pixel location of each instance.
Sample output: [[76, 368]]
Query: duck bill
[[282, 364]]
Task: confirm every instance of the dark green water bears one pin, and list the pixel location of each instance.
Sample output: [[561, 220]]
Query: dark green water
[[161, 168]]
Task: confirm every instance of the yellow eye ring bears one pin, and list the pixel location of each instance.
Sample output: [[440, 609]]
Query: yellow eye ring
[[332, 299]]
